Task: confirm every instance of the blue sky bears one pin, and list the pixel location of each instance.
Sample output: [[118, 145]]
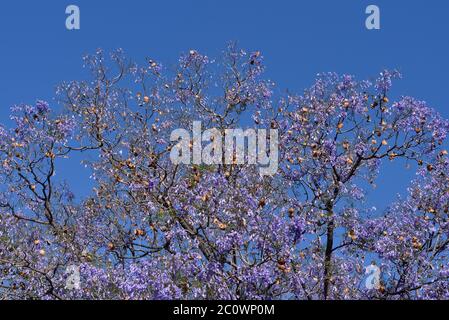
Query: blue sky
[[298, 39]]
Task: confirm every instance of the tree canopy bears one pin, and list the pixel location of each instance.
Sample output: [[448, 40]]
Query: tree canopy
[[152, 229]]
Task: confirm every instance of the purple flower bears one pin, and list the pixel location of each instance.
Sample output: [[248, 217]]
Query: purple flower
[[42, 107]]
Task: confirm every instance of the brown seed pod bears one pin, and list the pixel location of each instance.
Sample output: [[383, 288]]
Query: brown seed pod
[[291, 212], [139, 232]]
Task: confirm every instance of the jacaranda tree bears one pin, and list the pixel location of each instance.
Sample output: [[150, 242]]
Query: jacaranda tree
[[152, 229]]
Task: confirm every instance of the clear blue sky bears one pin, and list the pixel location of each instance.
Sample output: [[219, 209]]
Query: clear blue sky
[[297, 38]]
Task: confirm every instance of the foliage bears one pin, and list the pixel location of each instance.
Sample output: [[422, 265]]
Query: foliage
[[153, 230]]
